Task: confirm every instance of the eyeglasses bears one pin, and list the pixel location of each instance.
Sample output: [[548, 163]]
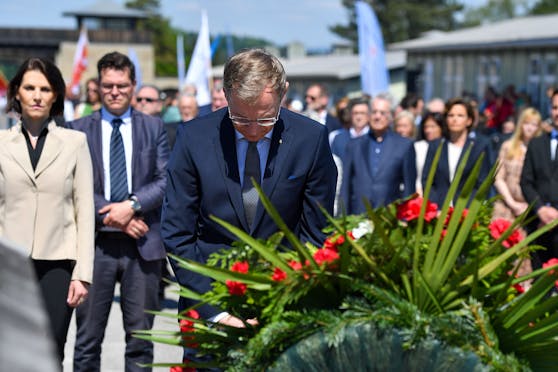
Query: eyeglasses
[[122, 88], [262, 122], [146, 99], [311, 98], [383, 113]]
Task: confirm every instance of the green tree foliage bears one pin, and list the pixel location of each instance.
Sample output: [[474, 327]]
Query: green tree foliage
[[164, 39], [545, 7], [403, 20], [494, 11]]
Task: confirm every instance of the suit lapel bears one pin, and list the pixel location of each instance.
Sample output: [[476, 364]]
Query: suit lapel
[[225, 149], [53, 146], [137, 132], [17, 147]]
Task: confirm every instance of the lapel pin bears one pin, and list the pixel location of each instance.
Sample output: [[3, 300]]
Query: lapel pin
[[280, 140]]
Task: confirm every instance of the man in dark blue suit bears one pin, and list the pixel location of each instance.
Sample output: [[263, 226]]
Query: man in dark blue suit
[[216, 156], [129, 151], [379, 166]]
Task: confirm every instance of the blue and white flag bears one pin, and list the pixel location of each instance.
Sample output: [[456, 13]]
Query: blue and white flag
[[181, 66], [199, 70], [134, 58], [373, 71]]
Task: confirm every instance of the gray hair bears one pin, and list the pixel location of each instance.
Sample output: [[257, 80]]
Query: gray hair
[[250, 71]]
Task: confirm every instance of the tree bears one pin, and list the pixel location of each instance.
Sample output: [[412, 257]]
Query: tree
[[495, 10], [403, 20], [164, 36], [545, 7]]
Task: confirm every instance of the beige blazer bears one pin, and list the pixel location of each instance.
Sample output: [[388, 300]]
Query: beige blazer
[[49, 211]]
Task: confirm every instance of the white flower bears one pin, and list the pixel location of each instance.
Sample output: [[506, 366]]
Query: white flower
[[363, 228]]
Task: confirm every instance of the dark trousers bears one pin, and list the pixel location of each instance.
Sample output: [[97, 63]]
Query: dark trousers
[[54, 280], [117, 260], [550, 242]]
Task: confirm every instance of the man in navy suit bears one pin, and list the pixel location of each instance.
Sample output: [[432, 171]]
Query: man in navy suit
[[215, 157], [539, 184], [379, 166], [129, 151]]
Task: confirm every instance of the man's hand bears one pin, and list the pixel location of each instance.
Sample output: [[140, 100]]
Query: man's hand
[[118, 215], [547, 214], [233, 321], [136, 228]]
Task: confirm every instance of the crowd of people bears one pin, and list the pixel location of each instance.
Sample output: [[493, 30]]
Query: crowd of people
[[97, 200]]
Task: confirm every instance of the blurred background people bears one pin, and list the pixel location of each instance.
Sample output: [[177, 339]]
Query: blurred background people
[[511, 159], [431, 129], [46, 193], [317, 101], [148, 100], [187, 106], [404, 124], [459, 119], [218, 99], [92, 99], [379, 166]]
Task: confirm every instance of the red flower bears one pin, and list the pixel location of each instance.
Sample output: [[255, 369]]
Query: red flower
[[350, 235], [340, 240], [182, 369], [450, 213], [550, 263], [519, 288], [325, 255], [236, 288], [497, 228], [278, 275], [329, 243], [240, 267], [410, 210], [295, 265]]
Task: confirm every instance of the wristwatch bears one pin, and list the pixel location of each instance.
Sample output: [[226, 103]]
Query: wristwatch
[[134, 203]]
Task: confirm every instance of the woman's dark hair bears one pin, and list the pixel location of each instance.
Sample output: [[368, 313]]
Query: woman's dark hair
[[468, 108], [53, 76], [117, 61], [437, 117]]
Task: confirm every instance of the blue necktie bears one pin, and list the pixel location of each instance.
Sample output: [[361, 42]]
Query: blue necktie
[[118, 176], [251, 170]]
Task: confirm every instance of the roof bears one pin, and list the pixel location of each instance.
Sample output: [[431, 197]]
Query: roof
[[516, 32], [107, 9], [331, 66]]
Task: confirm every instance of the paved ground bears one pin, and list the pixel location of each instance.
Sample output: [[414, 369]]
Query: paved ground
[[112, 357]]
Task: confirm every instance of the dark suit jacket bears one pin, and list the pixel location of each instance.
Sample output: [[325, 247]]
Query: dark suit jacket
[[441, 182], [396, 168], [332, 123], [539, 178], [149, 160], [204, 181]]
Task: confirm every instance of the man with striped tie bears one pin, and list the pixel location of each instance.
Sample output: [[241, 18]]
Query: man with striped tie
[[129, 152]]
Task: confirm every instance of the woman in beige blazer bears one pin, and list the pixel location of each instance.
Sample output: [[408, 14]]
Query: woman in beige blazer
[[46, 192]]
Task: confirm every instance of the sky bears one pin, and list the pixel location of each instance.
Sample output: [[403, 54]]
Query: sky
[[279, 21]]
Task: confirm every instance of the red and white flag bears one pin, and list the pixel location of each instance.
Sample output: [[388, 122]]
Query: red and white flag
[[80, 60]]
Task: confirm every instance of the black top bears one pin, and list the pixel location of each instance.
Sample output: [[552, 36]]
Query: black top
[[35, 153]]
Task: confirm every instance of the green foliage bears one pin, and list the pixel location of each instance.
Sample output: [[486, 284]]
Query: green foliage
[[434, 283], [403, 20]]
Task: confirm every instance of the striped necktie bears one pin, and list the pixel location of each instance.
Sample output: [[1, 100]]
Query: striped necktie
[[118, 175]]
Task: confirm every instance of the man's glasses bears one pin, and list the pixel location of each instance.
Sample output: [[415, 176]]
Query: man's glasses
[[120, 87], [146, 99], [262, 122], [311, 98], [383, 113]]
